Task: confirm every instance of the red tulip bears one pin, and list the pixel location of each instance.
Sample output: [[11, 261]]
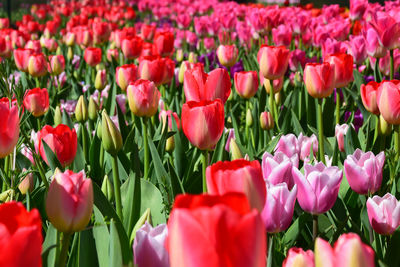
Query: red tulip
[[149, 49], [36, 101], [214, 231], [164, 41], [56, 65], [113, 54], [5, 47], [21, 236], [131, 46], [21, 58], [37, 65], [343, 65], [143, 97], [238, 176], [200, 86], [9, 128], [156, 69], [101, 31], [319, 79], [203, 122], [227, 55], [246, 83], [273, 61], [147, 32], [368, 96], [388, 99], [92, 56], [61, 140], [126, 74]]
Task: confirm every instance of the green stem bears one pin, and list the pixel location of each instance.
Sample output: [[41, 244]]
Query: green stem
[[37, 82], [28, 200], [64, 249], [42, 173], [38, 123], [247, 126], [101, 158], [117, 187], [315, 227], [146, 148], [320, 131], [391, 64], [205, 164], [84, 142], [397, 141], [272, 105], [337, 106], [376, 131], [270, 247]]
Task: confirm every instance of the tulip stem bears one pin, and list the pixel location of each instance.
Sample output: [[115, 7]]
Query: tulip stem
[[64, 249], [101, 158], [397, 141], [205, 164], [337, 106], [315, 227], [146, 148], [117, 187], [270, 246], [376, 131], [247, 126], [84, 142], [391, 64], [37, 82], [41, 172], [320, 131], [272, 104]]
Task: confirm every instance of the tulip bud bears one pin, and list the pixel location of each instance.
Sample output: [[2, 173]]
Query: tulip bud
[[111, 137], [249, 118], [266, 120], [384, 127], [59, 51], [57, 116], [70, 53], [56, 64], [170, 144], [146, 217], [98, 129], [93, 109], [26, 183], [101, 80], [277, 98], [107, 188], [235, 150], [81, 110], [192, 57], [6, 196], [179, 55]]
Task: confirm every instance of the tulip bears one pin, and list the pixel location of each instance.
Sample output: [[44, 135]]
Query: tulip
[[306, 144], [266, 120], [388, 100], [93, 109], [203, 122], [36, 101], [319, 79], [9, 128], [100, 80], [37, 65], [126, 74], [92, 56], [246, 83], [164, 41], [61, 140], [237, 176], [373, 46], [348, 251], [69, 202], [384, 213], [340, 132], [21, 236], [167, 116], [282, 35], [297, 59], [343, 69], [148, 247], [5, 48], [4, 23], [388, 29], [368, 96], [152, 68], [357, 9], [318, 188], [81, 110], [358, 49], [143, 97], [147, 32], [199, 86], [26, 183], [227, 55], [186, 65], [297, 257], [21, 58], [277, 169], [56, 65], [113, 54], [364, 171], [273, 61], [279, 206], [132, 47], [237, 241], [289, 145]]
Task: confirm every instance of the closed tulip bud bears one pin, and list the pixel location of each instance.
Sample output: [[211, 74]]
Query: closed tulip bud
[[126, 74], [192, 57], [340, 132], [36, 101], [143, 97], [297, 257], [170, 144], [26, 183], [70, 53], [93, 109], [266, 120], [107, 188], [246, 83], [81, 110], [273, 61], [319, 79], [227, 55], [70, 39], [145, 218], [9, 125], [57, 116], [384, 127], [69, 201], [101, 80], [249, 118], [56, 64], [179, 55], [59, 51], [37, 65], [277, 97], [235, 150], [7, 195], [384, 214], [110, 135]]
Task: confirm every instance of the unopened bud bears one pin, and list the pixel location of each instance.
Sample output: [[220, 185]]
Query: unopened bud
[[81, 110], [93, 109], [111, 137], [249, 118], [266, 120], [57, 116]]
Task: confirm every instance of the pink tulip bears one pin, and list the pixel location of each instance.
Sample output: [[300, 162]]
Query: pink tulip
[[289, 145], [279, 206], [69, 202], [273, 61], [148, 247], [277, 169], [282, 35], [125, 75], [143, 97], [9, 128], [340, 132], [358, 49], [297, 59], [227, 55], [306, 144], [388, 99], [384, 214], [318, 188], [357, 9], [237, 176], [349, 251], [319, 79], [246, 83], [21, 58], [37, 65], [364, 171], [297, 257], [374, 48], [388, 29]]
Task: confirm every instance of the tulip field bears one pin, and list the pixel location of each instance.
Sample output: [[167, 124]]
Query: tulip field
[[200, 133]]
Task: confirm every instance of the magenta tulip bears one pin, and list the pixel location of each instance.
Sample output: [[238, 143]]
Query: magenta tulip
[[384, 214], [277, 169], [289, 145]]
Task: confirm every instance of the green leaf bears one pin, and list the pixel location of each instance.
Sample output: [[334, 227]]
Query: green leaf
[[66, 119], [151, 198], [294, 230], [131, 198], [101, 238], [49, 247], [115, 246], [51, 157], [161, 173]]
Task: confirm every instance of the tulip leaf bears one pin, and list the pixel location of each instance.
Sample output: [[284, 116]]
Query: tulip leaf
[[79, 161], [115, 246], [51, 157], [94, 152], [218, 154], [179, 154], [87, 249], [291, 234], [151, 198], [121, 122], [49, 247], [392, 254], [131, 198], [101, 238], [296, 124], [66, 119]]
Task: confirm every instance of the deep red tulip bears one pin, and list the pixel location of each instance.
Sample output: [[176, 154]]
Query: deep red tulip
[[164, 41], [368, 96], [92, 56], [36, 101], [132, 47]]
